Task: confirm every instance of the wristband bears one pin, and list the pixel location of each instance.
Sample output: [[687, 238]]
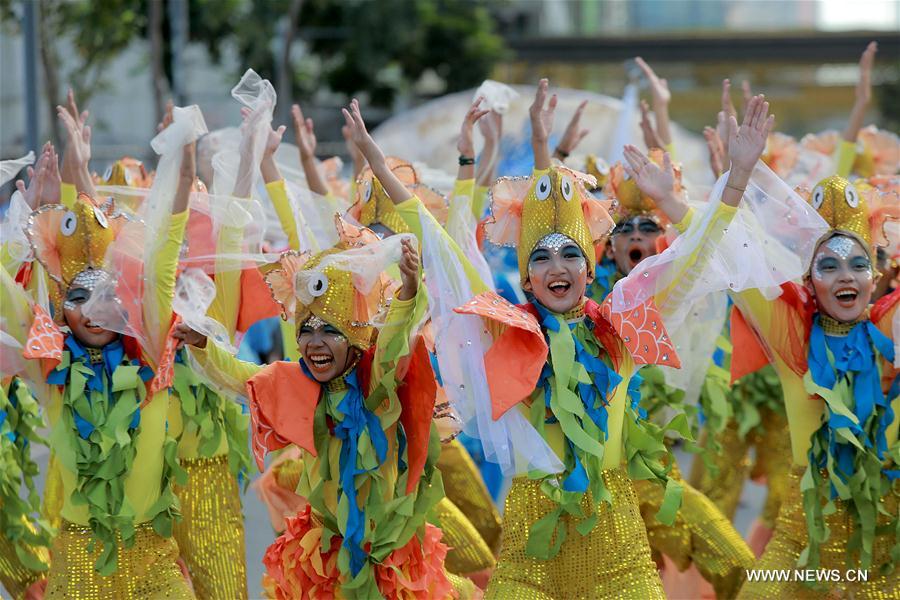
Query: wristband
[[562, 153], [466, 160]]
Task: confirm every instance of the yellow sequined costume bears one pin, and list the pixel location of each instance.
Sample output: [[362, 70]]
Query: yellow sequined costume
[[791, 537], [15, 577], [146, 570], [612, 561]]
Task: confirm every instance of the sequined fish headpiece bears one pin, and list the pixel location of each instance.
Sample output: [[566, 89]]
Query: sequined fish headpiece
[[598, 169], [629, 200], [524, 211], [344, 286], [856, 209], [71, 243], [372, 205], [126, 171]]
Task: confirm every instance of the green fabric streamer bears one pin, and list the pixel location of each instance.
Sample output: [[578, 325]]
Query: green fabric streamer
[[19, 426], [861, 491], [752, 394], [104, 459], [646, 452], [210, 416]]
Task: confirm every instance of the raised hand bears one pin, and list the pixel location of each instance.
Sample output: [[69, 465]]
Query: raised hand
[[659, 88], [168, 117], [187, 174], [660, 97], [409, 271], [863, 93], [573, 134], [717, 156], [304, 132], [466, 145], [651, 137], [359, 135], [79, 140], [491, 128], [188, 336], [43, 182], [864, 85], [727, 105], [747, 142], [541, 113], [656, 181]]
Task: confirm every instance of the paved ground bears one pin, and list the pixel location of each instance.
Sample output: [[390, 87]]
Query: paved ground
[[259, 530]]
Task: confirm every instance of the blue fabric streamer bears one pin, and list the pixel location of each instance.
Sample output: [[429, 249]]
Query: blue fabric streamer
[[593, 395], [357, 418], [855, 358]]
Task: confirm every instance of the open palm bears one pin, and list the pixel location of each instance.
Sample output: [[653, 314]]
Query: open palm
[[747, 142]]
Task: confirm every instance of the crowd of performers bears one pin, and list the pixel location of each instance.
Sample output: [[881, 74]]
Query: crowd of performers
[[760, 313]]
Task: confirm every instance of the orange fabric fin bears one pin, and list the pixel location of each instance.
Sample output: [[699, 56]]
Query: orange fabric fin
[[643, 332], [276, 418], [748, 354], [256, 300], [514, 361], [417, 394], [45, 341]]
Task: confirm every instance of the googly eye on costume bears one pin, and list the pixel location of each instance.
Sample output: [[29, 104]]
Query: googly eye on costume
[[542, 189], [818, 196], [851, 196], [317, 285], [69, 223], [107, 174], [101, 218], [567, 188], [128, 177], [367, 191]]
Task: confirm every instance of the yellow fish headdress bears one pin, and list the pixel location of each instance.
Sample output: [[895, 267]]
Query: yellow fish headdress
[[71, 242], [526, 210], [344, 286], [373, 206], [858, 209], [126, 171]]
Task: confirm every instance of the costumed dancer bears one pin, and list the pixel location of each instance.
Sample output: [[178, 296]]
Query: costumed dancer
[[835, 357], [359, 406], [106, 409]]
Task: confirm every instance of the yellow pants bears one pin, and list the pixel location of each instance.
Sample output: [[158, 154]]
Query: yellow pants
[[790, 538], [147, 570], [468, 551], [700, 535], [211, 533], [611, 561]]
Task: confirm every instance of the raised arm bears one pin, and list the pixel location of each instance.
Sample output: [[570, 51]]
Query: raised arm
[[357, 129], [745, 145], [572, 135], [660, 96], [78, 147], [863, 93], [656, 181], [306, 141], [541, 115], [466, 145]]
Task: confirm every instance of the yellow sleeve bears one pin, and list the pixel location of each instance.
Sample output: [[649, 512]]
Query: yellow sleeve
[[479, 198], [410, 213], [683, 225], [67, 194], [463, 187], [224, 369], [687, 269], [226, 304], [670, 148], [278, 195], [166, 271], [846, 156]]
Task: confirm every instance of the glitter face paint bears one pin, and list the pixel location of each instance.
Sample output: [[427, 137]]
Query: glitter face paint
[[840, 245]]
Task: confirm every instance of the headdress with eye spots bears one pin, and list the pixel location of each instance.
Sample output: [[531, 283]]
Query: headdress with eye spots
[[70, 240], [344, 286], [526, 210], [856, 208]]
